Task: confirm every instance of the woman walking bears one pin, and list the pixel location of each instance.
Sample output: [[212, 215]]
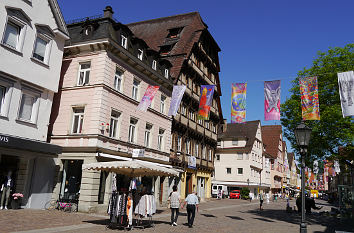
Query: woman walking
[[174, 205]]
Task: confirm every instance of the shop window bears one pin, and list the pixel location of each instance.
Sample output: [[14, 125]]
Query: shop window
[[102, 187], [71, 179]]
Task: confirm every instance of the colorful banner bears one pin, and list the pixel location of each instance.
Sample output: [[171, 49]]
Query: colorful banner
[[177, 94], [147, 98], [309, 98], [346, 92], [272, 100], [238, 102], [206, 98]]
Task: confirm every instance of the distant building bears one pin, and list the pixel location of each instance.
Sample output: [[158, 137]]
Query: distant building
[[240, 160], [31, 49]]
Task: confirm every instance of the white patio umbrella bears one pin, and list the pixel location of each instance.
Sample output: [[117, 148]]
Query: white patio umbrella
[[132, 168]]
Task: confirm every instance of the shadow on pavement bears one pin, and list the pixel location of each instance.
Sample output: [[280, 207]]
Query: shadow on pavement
[[234, 217], [315, 218], [208, 215], [264, 219]]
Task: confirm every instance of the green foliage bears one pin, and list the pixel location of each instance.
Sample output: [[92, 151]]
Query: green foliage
[[245, 192], [332, 131]]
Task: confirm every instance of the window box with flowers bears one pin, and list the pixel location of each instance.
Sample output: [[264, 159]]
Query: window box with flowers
[[16, 202]]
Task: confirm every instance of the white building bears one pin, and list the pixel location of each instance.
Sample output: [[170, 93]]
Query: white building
[[33, 33], [240, 160]]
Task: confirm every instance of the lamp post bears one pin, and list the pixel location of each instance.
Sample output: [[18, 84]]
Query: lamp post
[[302, 135]]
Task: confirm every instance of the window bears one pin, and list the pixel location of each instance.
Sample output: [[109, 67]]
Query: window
[[154, 64], [188, 146], [78, 119], [166, 73], [5, 97], [118, 79], [41, 49], [162, 104], [132, 126], [192, 115], [102, 187], [84, 74], [28, 106], [239, 156], [183, 110], [140, 54], [217, 157], [148, 128], [210, 155], [113, 127], [239, 171], [207, 125], [165, 49], [12, 35], [214, 128], [247, 156], [135, 90], [124, 41], [204, 152], [200, 121], [235, 143], [160, 139], [179, 143], [174, 32], [228, 170], [196, 150]]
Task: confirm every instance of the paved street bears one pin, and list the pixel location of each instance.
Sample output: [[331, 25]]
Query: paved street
[[214, 216]]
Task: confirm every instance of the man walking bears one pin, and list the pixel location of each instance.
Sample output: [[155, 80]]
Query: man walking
[[260, 201], [192, 203]]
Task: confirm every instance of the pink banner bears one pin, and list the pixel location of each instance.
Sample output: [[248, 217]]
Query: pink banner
[[272, 100], [147, 98]]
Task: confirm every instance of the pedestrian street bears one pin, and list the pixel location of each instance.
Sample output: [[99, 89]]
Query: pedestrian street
[[214, 216]]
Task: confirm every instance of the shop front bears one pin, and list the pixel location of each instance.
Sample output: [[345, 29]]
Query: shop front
[[27, 167]]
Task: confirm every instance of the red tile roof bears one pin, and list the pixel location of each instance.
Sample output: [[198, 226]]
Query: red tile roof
[[155, 31], [270, 137]]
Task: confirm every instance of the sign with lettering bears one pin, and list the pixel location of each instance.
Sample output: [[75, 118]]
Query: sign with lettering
[[4, 139], [138, 153]]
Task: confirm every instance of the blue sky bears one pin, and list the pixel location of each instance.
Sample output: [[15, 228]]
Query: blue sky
[[260, 40]]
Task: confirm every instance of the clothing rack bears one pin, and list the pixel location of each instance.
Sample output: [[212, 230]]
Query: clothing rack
[[122, 220]]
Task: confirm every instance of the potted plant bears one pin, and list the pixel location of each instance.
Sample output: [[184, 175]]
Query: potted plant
[[16, 202]]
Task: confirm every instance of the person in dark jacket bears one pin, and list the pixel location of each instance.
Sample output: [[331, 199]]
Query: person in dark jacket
[[309, 204]]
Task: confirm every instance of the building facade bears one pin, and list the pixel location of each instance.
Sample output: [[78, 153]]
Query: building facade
[[106, 71], [185, 41], [240, 160], [273, 140], [32, 40]]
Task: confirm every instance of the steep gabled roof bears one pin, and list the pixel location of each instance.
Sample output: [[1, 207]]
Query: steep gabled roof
[[270, 137], [155, 32], [59, 19], [247, 130]]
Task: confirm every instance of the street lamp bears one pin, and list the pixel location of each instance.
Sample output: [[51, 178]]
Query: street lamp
[[302, 135]]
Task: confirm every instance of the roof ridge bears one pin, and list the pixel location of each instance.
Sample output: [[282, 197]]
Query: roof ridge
[[163, 18]]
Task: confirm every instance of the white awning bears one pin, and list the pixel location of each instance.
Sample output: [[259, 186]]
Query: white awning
[[132, 168]]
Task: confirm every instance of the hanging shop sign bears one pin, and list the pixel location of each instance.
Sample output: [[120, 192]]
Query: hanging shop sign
[[192, 162]]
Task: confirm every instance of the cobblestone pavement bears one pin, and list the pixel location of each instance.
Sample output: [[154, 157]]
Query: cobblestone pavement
[[214, 216]]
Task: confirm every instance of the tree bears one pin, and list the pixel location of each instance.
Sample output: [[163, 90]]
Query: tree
[[332, 131]]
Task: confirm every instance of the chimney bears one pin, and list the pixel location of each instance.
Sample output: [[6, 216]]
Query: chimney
[[108, 12]]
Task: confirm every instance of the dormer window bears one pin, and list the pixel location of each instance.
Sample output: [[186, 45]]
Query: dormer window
[[166, 73], [154, 64], [140, 54], [174, 32], [165, 49], [124, 42]]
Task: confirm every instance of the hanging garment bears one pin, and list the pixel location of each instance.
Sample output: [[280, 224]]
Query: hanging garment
[[132, 184]]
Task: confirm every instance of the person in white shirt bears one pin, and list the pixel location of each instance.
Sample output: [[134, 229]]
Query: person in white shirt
[[192, 202], [175, 201]]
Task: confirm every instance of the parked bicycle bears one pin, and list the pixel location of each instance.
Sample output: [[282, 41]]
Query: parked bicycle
[[66, 205]]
